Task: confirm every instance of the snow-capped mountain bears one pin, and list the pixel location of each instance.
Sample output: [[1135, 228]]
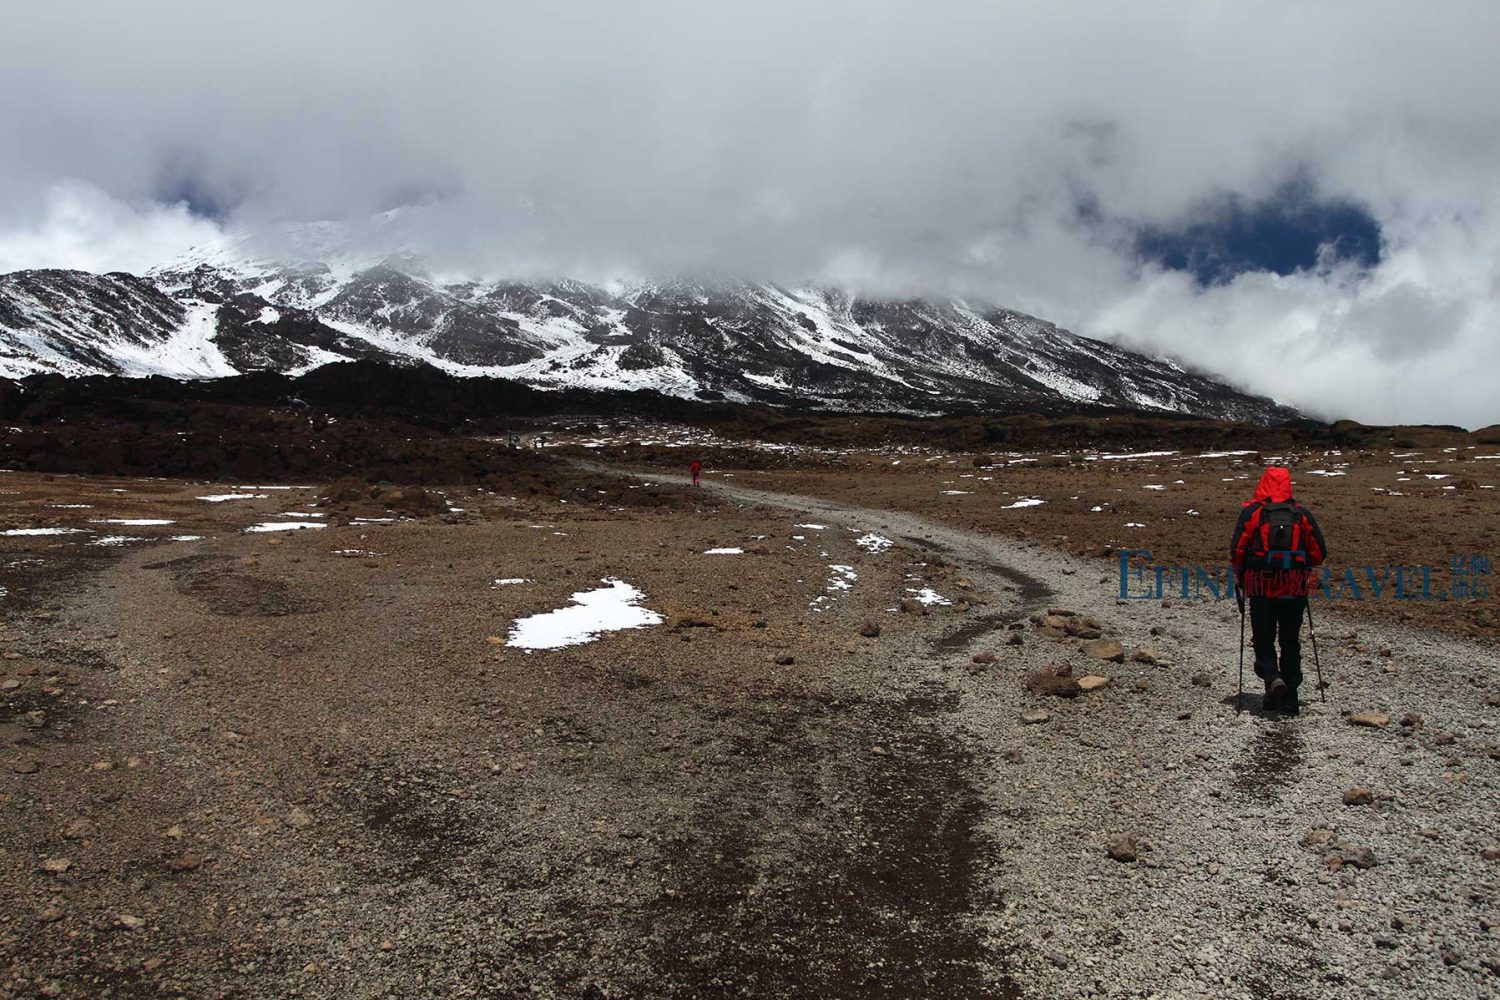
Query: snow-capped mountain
[[230, 308]]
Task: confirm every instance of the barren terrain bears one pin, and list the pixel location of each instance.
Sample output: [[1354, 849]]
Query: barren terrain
[[853, 758]]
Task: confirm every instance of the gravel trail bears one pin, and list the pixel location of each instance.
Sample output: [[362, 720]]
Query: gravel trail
[[1247, 881]]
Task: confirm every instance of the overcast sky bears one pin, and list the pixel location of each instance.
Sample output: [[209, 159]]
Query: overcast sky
[[1159, 174]]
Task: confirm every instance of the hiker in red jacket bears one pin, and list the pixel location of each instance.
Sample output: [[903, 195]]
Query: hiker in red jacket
[[697, 470], [1275, 545]]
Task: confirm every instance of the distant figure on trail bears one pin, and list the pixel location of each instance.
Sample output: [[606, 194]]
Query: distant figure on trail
[[540, 441], [1275, 545], [697, 469]]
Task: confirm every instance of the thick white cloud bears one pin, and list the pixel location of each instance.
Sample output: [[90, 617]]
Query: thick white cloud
[[902, 147], [78, 226]]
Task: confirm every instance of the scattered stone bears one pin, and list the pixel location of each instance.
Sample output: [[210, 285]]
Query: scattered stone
[[79, 829], [1105, 649], [56, 866], [1359, 796], [912, 606], [1184, 716], [298, 818], [1122, 847], [130, 921], [1147, 657], [9, 684], [1056, 681], [1411, 720], [785, 661], [869, 630], [1035, 716], [1061, 612], [1083, 628], [1317, 838], [1373, 720], [1092, 682], [985, 657], [1355, 857], [185, 863], [1015, 639], [1053, 621], [1490, 854], [879, 751], [1202, 680], [27, 766], [1428, 833]]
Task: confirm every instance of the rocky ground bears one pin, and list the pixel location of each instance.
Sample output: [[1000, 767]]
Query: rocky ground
[[307, 763]]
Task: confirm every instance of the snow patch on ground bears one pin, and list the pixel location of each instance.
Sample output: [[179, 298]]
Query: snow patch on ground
[[611, 608], [31, 532], [928, 596], [1024, 502], [729, 551], [873, 543], [268, 526]]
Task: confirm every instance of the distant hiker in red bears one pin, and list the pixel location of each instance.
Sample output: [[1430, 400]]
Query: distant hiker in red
[[1275, 545], [697, 469]]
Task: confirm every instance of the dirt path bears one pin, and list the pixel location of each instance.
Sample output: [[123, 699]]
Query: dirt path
[[1248, 881]]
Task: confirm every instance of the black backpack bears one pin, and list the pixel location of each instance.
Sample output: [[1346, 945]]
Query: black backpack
[[1278, 538]]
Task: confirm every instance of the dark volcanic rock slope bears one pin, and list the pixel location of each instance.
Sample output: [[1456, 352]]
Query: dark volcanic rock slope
[[210, 316]]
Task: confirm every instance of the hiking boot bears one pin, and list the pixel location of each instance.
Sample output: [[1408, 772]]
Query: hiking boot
[[1290, 705], [1276, 690]]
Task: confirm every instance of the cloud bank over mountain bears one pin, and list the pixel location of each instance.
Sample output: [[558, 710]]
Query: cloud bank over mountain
[[1300, 197]]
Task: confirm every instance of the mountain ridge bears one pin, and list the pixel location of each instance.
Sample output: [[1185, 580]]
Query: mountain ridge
[[224, 310]]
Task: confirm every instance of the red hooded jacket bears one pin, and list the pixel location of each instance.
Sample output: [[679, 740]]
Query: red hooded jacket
[[1257, 573]]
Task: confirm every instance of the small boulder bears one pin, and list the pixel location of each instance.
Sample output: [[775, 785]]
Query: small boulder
[[1053, 681], [1108, 650], [1318, 838], [1359, 796], [869, 629], [1035, 716], [1373, 720], [1122, 847], [985, 657], [1092, 682], [1083, 628]]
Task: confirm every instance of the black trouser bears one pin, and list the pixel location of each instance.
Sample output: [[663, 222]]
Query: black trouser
[[1270, 616]]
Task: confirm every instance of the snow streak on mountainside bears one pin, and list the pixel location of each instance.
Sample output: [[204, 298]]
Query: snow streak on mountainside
[[225, 309]]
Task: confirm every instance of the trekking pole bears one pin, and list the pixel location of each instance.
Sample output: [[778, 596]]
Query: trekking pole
[[1239, 693], [1322, 694]]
